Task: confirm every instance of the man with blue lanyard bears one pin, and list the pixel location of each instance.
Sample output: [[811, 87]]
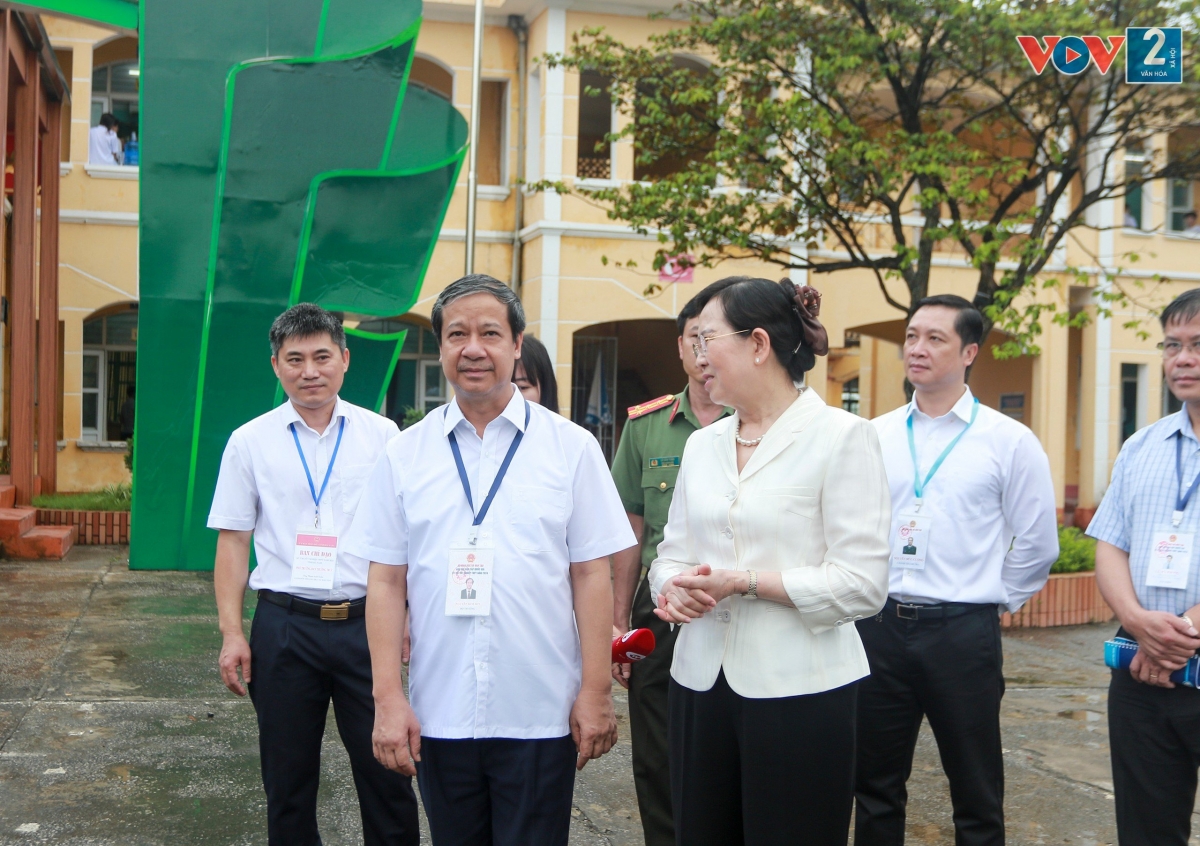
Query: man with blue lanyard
[[290, 481], [973, 534], [510, 684], [1147, 528]]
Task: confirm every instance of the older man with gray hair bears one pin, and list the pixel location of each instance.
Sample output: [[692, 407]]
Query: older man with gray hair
[[290, 480], [509, 677]]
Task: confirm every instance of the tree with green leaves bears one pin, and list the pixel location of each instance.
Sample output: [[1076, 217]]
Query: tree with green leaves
[[920, 118]]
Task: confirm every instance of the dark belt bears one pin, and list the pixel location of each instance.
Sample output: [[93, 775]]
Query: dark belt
[[938, 611], [347, 610]]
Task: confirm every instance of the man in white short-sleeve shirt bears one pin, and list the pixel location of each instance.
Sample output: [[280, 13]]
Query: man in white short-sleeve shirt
[[104, 146], [291, 480], [509, 678]]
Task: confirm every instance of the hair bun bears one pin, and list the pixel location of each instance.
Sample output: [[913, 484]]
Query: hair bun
[[806, 302]]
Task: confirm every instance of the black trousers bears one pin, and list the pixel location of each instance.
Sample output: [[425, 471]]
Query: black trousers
[[497, 791], [951, 671], [649, 682], [1154, 735], [298, 664], [759, 772]]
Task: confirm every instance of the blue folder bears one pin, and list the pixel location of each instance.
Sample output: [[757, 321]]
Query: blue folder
[[1119, 652]]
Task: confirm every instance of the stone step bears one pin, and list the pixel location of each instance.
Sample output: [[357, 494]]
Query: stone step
[[8, 496], [15, 522], [42, 542]]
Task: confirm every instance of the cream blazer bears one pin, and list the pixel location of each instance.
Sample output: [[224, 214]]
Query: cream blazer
[[812, 503]]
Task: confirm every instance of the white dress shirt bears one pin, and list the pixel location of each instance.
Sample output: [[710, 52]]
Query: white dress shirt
[[812, 504], [994, 533], [516, 672], [104, 146], [262, 487]]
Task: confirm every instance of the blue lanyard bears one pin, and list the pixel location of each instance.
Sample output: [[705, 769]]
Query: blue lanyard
[[918, 485], [462, 473], [328, 471], [1181, 498]]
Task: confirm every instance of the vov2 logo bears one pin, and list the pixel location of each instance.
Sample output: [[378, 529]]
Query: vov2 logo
[[1153, 55]]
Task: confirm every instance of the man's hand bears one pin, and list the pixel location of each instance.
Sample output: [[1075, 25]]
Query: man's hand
[[397, 735], [1148, 671], [593, 725], [1166, 639], [620, 672], [677, 604], [235, 653]]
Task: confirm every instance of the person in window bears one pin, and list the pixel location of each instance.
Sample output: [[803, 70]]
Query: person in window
[[127, 415], [534, 374], [775, 543], [1131, 222], [104, 147], [1190, 227]]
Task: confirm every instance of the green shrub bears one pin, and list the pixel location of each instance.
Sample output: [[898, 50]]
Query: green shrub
[[1076, 552], [411, 416], [112, 498]]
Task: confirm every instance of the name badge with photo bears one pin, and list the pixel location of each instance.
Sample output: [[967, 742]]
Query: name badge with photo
[[469, 578], [911, 541], [315, 559], [1170, 559]]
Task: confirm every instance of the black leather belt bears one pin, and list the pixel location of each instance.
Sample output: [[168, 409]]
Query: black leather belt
[[347, 610], [938, 611]]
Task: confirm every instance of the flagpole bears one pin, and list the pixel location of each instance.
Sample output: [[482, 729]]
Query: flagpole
[[473, 154]]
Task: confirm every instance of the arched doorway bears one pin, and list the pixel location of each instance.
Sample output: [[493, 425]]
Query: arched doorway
[[109, 373], [620, 364]]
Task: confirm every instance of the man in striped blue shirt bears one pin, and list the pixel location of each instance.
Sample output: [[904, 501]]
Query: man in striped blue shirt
[[1146, 564]]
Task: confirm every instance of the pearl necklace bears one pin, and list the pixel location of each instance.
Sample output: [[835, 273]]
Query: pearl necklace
[[737, 436]]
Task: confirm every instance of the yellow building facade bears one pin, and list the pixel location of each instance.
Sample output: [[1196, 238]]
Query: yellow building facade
[[1082, 396]]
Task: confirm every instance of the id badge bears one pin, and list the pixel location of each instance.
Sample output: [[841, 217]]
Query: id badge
[[314, 560], [911, 541], [469, 577], [1170, 559]]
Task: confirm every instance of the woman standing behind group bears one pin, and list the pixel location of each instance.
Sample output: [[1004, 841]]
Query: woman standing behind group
[[776, 543]]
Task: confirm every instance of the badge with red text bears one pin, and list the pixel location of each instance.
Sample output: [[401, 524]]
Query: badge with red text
[[911, 541], [1170, 559], [469, 578], [314, 560]]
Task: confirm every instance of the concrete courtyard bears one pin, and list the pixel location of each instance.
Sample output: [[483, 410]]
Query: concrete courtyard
[[115, 728]]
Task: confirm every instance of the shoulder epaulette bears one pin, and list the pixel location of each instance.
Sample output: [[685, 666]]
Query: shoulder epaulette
[[645, 408]]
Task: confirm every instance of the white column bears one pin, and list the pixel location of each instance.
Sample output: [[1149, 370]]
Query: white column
[[1104, 216], [552, 161]]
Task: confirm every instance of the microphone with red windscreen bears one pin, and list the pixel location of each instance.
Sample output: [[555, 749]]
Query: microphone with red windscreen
[[632, 646]]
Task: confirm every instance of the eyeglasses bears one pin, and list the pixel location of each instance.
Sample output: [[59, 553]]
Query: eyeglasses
[[701, 349], [1170, 349]]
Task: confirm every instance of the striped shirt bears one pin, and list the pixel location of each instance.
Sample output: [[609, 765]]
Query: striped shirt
[[1141, 500]]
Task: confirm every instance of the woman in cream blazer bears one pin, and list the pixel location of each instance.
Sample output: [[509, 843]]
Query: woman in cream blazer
[[775, 544]]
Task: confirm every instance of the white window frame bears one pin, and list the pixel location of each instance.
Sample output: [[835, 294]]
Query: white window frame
[[92, 433], [427, 366], [1173, 209]]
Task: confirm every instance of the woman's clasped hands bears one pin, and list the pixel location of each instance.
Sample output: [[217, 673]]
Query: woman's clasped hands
[[697, 590]]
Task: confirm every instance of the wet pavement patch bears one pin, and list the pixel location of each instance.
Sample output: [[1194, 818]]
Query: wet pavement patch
[[115, 728]]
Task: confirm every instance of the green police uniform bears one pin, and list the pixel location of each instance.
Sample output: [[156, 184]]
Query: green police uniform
[[644, 470]]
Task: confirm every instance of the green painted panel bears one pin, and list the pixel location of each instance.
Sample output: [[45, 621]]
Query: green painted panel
[[285, 160], [122, 14]]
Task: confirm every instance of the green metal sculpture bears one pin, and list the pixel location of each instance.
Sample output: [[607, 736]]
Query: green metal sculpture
[[285, 159]]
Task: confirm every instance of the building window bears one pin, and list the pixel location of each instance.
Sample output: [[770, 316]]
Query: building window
[[115, 90], [1170, 403], [1133, 402], [594, 388], [595, 122], [667, 162], [109, 372], [493, 94], [1180, 195], [418, 382], [850, 395], [1135, 160], [432, 77]]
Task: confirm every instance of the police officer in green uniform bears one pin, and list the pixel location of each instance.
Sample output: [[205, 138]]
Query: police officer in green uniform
[[644, 469]]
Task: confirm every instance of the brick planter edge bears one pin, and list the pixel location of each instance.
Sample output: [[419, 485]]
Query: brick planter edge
[[95, 527], [1068, 599]]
